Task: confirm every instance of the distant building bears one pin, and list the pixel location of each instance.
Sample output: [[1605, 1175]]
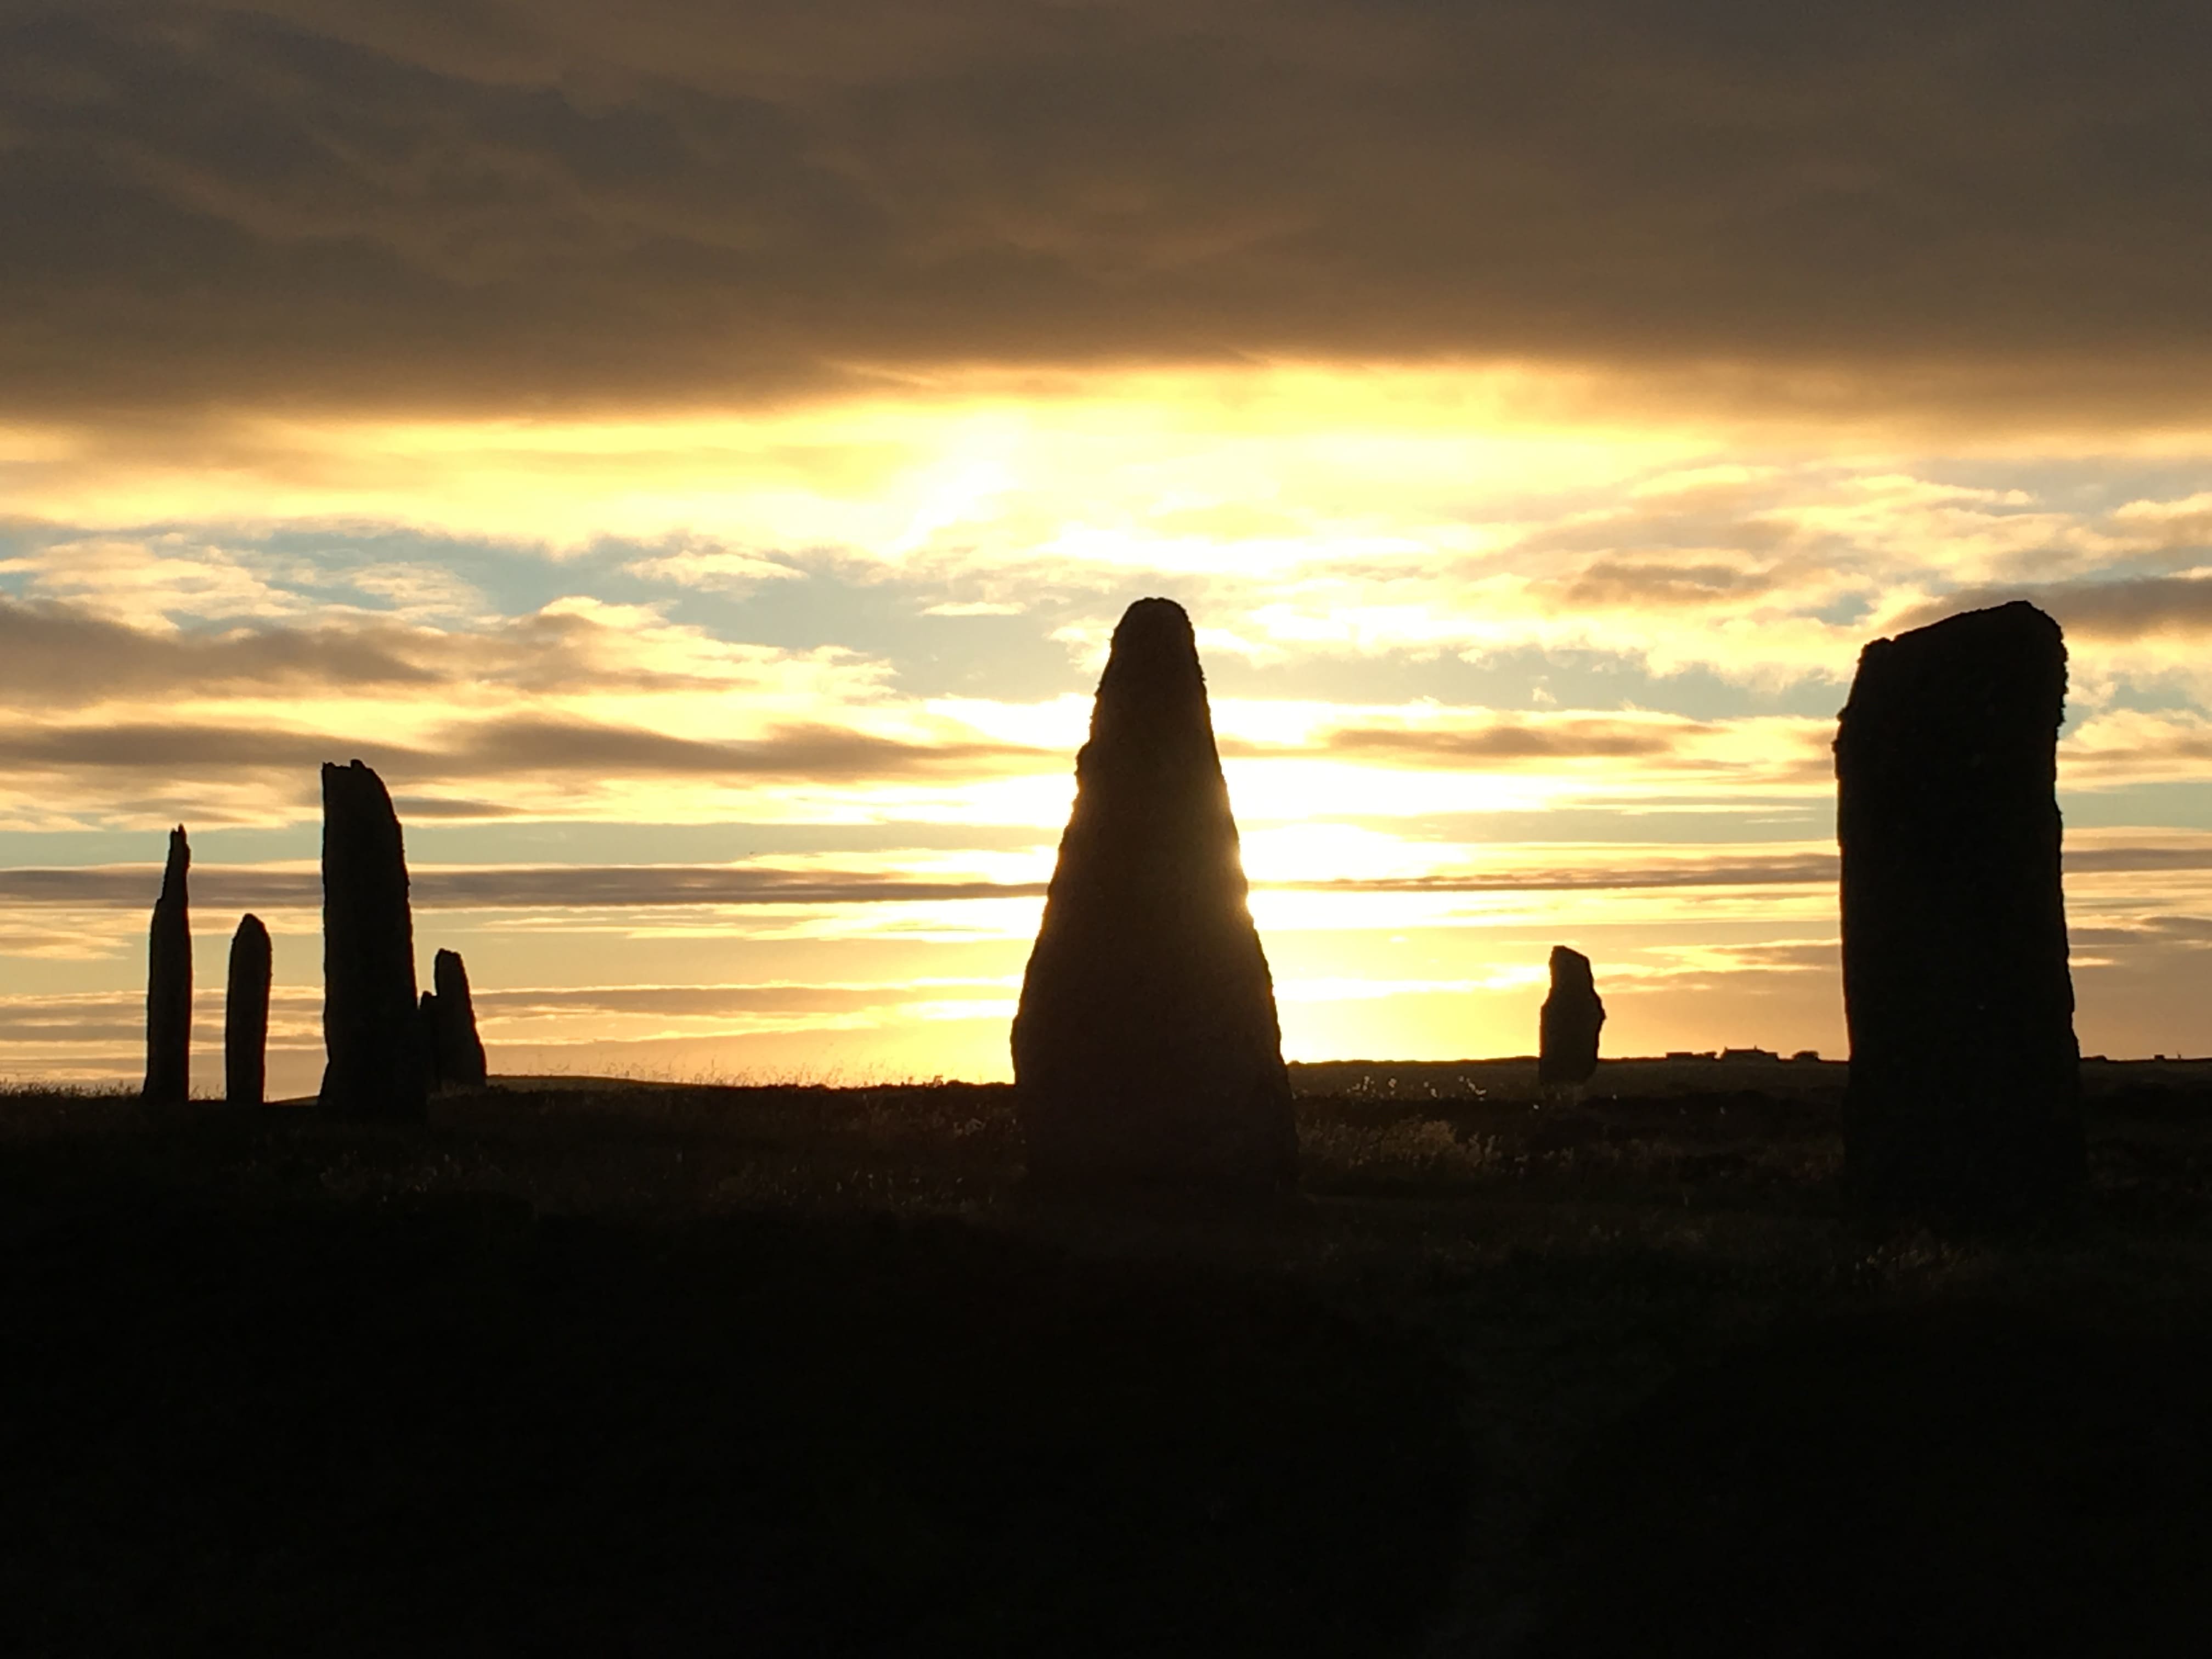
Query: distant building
[[1749, 1053]]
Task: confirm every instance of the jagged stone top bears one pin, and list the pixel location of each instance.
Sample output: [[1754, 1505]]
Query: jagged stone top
[[2013, 652], [1571, 970], [360, 794], [346, 774], [181, 860]]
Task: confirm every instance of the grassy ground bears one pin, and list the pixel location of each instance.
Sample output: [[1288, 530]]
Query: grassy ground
[[618, 1367]]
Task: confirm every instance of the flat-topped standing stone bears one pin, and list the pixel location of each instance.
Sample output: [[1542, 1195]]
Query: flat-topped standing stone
[[1965, 1097], [245, 1014], [169, 984], [1567, 1028], [459, 1062], [371, 1028], [1146, 1047]]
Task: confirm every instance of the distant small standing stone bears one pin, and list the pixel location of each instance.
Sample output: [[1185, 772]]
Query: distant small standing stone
[[169, 984], [371, 1026], [1567, 1028], [1965, 1093], [460, 1054], [245, 1014], [1146, 1047], [427, 1026]]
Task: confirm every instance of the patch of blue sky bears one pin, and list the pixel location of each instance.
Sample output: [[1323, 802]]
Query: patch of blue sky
[[2180, 804]]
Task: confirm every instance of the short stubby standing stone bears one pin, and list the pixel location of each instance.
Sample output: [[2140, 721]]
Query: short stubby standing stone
[[169, 983], [245, 1014], [1567, 1028], [459, 1062], [1146, 1047], [1965, 1097], [371, 1029]]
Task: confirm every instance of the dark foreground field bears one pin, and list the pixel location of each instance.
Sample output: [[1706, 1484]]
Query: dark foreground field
[[626, 1369]]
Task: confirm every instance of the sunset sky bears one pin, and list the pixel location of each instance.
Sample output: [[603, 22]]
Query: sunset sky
[[697, 452]]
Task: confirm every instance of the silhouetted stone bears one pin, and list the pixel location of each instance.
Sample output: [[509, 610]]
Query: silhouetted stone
[[169, 983], [1145, 1047], [459, 1062], [1964, 1093], [426, 1029], [371, 1027], [1567, 1029], [245, 1014]]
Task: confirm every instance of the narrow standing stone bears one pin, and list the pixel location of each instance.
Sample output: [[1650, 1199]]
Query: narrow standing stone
[[1146, 1047], [426, 1027], [246, 1016], [371, 1028], [1567, 1028], [460, 1059], [169, 984], [1965, 1094]]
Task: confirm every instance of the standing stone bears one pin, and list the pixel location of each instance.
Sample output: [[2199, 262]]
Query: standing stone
[[459, 1062], [426, 1030], [1146, 1047], [1567, 1029], [371, 1027], [169, 984], [1965, 1099], [246, 1016]]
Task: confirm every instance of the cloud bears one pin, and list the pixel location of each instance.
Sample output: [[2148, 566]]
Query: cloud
[[154, 581], [56, 654], [528, 204], [1622, 585], [2185, 932], [1581, 868], [59, 655], [711, 1001], [1507, 740], [821, 753], [2124, 745], [719, 569], [618, 886], [522, 745], [507, 887], [2121, 611]]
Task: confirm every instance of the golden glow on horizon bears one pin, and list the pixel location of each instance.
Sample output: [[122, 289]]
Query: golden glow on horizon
[[1406, 529]]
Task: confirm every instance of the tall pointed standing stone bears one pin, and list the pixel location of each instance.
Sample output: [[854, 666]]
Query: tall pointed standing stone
[[371, 1030], [460, 1057], [245, 1014], [1567, 1026], [169, 984], [1965, 1099], [1146, 1047]]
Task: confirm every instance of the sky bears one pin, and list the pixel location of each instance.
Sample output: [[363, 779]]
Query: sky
[[697, 454]]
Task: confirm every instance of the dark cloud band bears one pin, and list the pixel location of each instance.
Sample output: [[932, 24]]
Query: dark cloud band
[[504, 203], [611, 887]]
